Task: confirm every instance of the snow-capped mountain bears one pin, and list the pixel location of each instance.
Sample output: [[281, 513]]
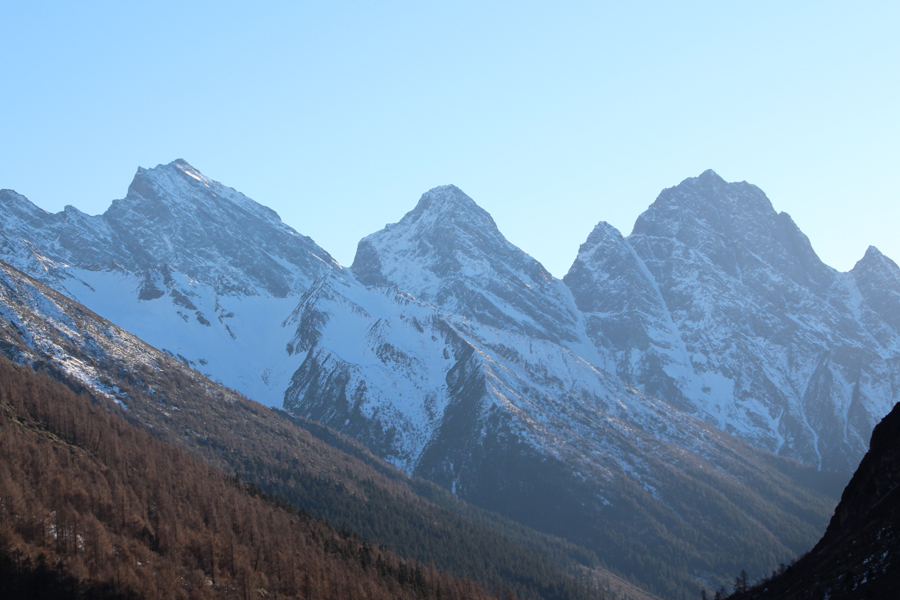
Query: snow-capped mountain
[[187, 264], [448, 251], [600, 407], [719, 305], [715, 303]]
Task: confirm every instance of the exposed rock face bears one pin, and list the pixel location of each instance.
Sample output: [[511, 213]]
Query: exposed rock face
[[718, 304]]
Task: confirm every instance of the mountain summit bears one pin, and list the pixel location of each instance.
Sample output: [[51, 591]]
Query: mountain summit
[[172, 219], [449, 252], [175, 216], [190, 265], [718, 304]]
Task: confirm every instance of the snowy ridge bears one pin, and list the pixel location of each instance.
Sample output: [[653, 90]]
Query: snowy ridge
[[57, 331], [715, 304]]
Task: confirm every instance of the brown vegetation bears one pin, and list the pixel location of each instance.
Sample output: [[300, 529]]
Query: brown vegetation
[[108, 511]]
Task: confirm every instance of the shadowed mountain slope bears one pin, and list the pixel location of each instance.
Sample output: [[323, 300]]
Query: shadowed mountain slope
[[859, 553]]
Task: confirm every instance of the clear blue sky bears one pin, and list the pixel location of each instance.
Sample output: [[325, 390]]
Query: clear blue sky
[[339, 115]]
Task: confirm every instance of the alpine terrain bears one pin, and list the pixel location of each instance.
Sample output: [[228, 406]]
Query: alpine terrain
[[684, 403]]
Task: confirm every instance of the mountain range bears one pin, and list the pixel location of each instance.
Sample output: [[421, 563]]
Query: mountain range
[[665, 387]]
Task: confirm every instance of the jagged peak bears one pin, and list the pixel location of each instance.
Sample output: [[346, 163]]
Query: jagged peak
[[873, 253], [178, 184], [707, 197], [145, 180], [708, 182], [602, 231], [179, 164], [874, 259], [448, 202], [447, 235], [710, 175], [444, 221], [602, 238]]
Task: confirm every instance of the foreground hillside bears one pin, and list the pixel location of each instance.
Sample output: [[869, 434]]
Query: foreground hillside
[[859, 555], [93, 507]]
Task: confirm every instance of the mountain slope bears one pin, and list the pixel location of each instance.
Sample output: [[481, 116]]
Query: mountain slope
[[719, 305], [93, 507], [301, 462]]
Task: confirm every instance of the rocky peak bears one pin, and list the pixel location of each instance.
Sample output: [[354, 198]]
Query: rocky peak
[[446, 235], [174, 217], [707, 201], [873, 261], [607, 273], [180, 190], [449, 252], [450, 203], [878, 279], [735, 226], [445, 225]]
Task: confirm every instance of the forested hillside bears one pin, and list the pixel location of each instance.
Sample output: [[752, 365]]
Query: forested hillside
[[92, 507]]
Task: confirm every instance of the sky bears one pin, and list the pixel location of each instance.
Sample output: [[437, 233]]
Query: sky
[[339, 115]]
